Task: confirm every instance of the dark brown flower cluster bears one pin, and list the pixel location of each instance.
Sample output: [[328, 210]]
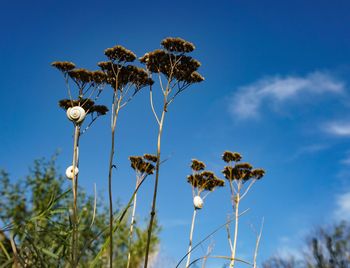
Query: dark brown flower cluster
[[150, 157], [120, 54], [142, 164], [205, 180], [82, 77], [87, 104], [118, 76], [177, 45], [231, 156], [242, 171], [63, 66], [174, 66], [197, 165]]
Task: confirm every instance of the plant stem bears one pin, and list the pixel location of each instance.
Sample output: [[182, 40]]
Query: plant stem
[[110, 170], [233, 253], [153, 211], [191, 236], [132, 225], [75, 195]]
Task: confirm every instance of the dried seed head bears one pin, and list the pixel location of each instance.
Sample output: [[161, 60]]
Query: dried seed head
[[81, 75], [150, 157], [258, 173], [87, 104], [63, 66], [228, 173], [138, 164], [205, 180], [120, 54], [231, 156], [197, 165], [179, 67], [177, 45], [196, 180], [99, 77], [245, 166], [99, 109]]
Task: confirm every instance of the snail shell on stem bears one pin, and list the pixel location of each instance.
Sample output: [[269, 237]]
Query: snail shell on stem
[[76, 114], [69, 172], [198, 202]]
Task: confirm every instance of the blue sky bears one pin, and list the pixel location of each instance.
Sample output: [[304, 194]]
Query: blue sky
[[276, 90]]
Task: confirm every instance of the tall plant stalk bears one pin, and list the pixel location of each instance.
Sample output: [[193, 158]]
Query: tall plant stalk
[[122, 78], [191, 237], [131, 231], [201, 180], [115, 113], [180, 72], [235, 235], [88, 83], [75, 165], [132, 223], [155, 191], [238, 175]]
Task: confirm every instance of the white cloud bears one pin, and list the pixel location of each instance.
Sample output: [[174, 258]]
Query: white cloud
[[247, 101], [338, 128], [342, 210], [310, 149]]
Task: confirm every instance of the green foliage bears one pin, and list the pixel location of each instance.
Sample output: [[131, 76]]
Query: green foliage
[[326, 248], [35, 211]]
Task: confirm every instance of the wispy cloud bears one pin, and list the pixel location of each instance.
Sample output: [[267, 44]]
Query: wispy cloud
[[338, 128], [310, 150], [247, 101], [342, 210]]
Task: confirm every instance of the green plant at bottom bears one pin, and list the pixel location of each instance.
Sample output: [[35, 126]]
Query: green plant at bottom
[[36, 229]]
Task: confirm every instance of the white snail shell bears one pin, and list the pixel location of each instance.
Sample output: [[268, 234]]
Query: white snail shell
[[69, 172], [76, 114], [198, 202]]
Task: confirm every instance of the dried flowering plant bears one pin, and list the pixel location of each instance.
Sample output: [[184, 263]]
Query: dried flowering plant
[[176, 71], [201, 180], [89, 86], [126, 81], [241, 177], [143, 166]]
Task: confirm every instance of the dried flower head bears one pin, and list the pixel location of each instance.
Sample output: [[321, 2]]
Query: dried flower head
[[99, 109], [196, 180], [63, 66], [81, 76], [138, 164], [197, 165], [258, 173], [241, 171], [150, 157], [120, 54], [205, 180], [231, 156], [118, 76], [87, 104], [98, 77], [177, 45], [179, 67]]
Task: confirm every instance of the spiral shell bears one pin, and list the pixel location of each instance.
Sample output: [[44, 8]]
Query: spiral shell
[[69, 172], [76, 114], [198, 202]]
